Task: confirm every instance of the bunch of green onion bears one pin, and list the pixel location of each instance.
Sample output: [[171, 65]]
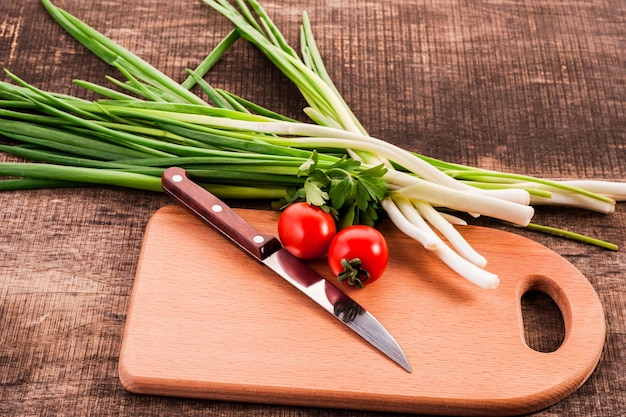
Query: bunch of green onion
[[238, 149]]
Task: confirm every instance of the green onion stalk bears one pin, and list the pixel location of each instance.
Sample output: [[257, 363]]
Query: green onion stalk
[[238, 149]]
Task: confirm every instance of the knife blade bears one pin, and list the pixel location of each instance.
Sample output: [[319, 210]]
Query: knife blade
[[267, 250]]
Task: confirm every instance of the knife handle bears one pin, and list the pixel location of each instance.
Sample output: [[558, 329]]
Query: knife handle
[[216, 213]]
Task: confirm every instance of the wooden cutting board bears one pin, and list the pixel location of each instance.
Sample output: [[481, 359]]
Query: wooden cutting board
[[206, 321]]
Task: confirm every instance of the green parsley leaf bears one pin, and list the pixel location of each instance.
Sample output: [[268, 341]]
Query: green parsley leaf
[[351, 194], [309, 165]]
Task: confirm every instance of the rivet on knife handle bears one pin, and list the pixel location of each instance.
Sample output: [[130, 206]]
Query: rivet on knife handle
[[214, 211]]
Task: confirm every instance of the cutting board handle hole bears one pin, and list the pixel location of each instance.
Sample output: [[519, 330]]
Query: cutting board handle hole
[[539, 311]]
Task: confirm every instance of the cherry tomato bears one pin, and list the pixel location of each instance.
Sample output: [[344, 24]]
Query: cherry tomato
[[358, 255], [306, 231]]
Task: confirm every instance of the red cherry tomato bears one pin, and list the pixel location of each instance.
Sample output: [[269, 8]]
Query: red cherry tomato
[[306, 231], [358, 255]]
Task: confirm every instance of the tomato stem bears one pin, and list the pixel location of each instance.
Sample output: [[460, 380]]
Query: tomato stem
[[353, 273]]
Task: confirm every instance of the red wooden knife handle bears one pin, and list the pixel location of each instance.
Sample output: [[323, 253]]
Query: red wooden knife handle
[[216, 213]]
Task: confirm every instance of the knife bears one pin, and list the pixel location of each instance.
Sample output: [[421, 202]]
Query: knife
[[267, 250]]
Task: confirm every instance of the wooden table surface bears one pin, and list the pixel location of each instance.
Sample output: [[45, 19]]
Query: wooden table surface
[[529, 87]]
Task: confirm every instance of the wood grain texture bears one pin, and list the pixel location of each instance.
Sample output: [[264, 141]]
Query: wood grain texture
[[532, 87], [206, 321]]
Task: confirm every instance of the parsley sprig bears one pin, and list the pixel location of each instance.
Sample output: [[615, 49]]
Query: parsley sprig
[[351, 193]]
